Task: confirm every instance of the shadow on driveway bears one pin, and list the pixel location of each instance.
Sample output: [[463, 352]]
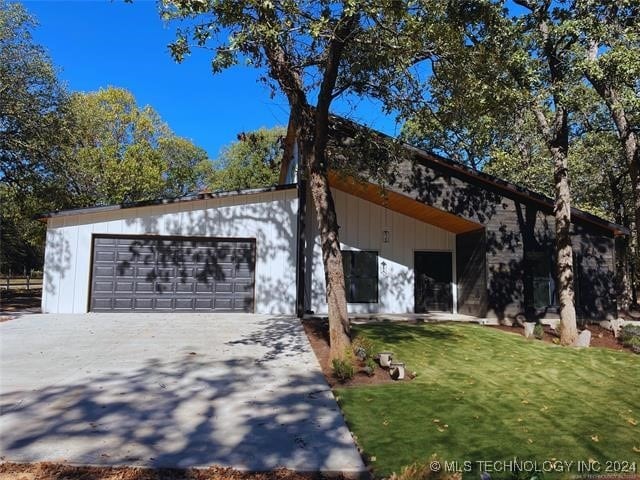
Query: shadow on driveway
[[254, 402]]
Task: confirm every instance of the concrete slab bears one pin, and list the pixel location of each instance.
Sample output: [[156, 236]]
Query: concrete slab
[[168, 390]]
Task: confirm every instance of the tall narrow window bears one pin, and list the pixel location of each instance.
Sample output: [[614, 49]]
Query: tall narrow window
[[361, 276], [540, 266]]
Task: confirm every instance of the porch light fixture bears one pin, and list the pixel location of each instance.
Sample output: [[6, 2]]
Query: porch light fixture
[[384, 267], [386, 233]]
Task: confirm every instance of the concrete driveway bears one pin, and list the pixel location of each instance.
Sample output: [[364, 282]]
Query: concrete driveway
[[168, 390]]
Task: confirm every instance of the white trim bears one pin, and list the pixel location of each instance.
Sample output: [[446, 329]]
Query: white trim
[[454, 280]]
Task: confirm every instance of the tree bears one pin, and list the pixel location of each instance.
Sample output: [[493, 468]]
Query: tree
[[306, 49], [253, 161], [33, 122], [32, 103], [60, 151], [600, 180], [506, 69], [609, 33], [121, 153], [21, 245], [186, 166]]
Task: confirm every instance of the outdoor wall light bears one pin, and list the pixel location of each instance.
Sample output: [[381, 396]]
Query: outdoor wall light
[[384, 267], [386, 236]]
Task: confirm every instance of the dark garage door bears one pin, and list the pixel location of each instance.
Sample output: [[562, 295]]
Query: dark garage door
[[172, 274]]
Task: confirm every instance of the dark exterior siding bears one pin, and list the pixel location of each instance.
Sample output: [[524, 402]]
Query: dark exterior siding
[[594, 253], [513, 226], [471, 273]]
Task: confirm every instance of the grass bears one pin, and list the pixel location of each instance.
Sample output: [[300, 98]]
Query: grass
[[485, 395]]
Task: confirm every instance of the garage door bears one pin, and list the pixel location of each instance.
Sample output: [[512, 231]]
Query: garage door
[[172, 274]]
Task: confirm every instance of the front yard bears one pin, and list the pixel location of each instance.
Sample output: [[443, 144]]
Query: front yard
[[485, 395]]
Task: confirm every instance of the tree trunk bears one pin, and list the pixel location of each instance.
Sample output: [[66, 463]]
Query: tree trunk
[[629, 141], [633, 159], [339, 339], [564, 250], [312, 127], [624, 288], [313, 153], [625, 296]]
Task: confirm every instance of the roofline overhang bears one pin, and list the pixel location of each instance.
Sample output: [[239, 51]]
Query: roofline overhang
[[163, 201], [517, 191], [510, 189]]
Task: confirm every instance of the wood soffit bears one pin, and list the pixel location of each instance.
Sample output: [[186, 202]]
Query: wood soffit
[[402, 204]]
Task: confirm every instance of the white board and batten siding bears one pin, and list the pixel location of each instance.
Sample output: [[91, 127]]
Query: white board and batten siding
[[362, 224], [269, 218]]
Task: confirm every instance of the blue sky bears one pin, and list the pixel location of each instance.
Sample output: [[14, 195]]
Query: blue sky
[[100, 43]]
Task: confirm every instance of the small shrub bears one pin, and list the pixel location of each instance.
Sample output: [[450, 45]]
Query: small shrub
[[363, 347], [630, 337], [628, 332], [538, 331], [423, 471], [370, 366], [343, 368], [634, 344]]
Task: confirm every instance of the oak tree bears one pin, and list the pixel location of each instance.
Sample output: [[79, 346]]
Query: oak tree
[[311, 52]]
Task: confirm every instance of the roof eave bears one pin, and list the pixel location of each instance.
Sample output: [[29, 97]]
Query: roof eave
[[162, 201]]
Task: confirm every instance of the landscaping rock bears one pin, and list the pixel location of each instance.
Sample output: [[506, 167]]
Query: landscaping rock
[[583, 340], [615, 326], [528, 329]]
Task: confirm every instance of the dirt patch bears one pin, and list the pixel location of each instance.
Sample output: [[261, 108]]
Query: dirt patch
[[317, 331], [61, 471], [600, 337], [20, 300]]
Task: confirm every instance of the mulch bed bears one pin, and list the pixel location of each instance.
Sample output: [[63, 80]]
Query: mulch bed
[[60, 471], [600, 337], [317, 331]]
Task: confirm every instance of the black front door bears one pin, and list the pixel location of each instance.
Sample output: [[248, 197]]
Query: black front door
[[433, 282]]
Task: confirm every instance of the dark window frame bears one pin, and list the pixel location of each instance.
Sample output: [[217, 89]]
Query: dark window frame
[[351, 287], [537, 260]]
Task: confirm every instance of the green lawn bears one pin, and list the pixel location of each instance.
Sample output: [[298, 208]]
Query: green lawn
[[483, 394]]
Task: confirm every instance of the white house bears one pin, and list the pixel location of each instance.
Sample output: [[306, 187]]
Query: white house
[[442, 237]]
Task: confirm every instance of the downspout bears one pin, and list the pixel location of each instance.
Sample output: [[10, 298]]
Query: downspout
[[291, 172], [301, 277]]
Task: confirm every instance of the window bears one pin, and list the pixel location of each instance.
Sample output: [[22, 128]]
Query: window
[[360, 276], [540, 266]]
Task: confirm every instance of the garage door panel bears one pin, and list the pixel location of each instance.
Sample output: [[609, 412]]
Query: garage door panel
[[105, 256], [164, 287], [124, 287], [103, 286], [144, 287], [223, 287], [184, 304], [146, 272], [204, 303], [102, 304], [243, 304], [105, 241], [152, 273], [125, 272], [122, 303], [185, 288], [104, 270], [243, 272], [143, 303], [126, 256], [223, 303]]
